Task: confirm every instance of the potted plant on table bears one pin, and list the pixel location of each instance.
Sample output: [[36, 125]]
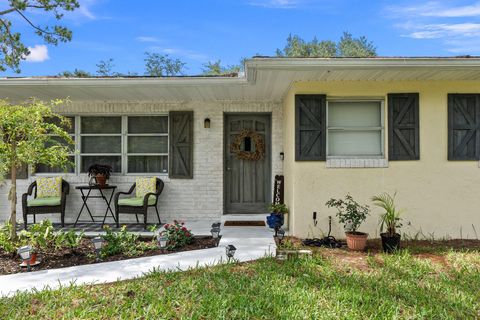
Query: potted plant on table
[[390, 220], [352, 215], [101, 173], [276, 218]]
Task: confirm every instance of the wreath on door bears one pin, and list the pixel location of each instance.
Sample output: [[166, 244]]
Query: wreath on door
[[258, 154]]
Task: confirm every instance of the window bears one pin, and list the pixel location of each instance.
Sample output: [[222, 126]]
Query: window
[[355, 129], [130, 144], [147, 144], [42, 168]]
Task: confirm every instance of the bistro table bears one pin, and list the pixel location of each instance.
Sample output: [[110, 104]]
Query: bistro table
[[88, 189]]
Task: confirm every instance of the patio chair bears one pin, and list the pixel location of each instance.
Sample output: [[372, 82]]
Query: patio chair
[[138, 205], [42, 205]]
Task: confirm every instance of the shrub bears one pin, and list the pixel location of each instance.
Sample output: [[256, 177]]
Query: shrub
[[6, 243], [178, 235], [349, 212], [40, 235], [119, 242], [69, 239]]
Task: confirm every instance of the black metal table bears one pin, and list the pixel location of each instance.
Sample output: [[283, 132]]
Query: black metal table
[[85, 198]]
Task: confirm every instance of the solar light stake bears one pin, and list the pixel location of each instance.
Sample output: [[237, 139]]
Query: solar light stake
[[216, 225], [216, 235], [98, 244], [230, 251], [280, 235], [162, 242], [25, 254]]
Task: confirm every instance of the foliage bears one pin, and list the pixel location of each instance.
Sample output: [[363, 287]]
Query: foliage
[[26, 138], [349, 212], [158, 65], [100, 169], [105, 68], [390, 219], [278, 208], [119, 242], [40, 235], [216, 69], [399, 286], [77, 73], [6, 242], [347, 46], [69, 239], [13, 50], [177, 234]]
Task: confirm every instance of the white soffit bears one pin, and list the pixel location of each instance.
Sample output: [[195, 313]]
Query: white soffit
[[267, 79]]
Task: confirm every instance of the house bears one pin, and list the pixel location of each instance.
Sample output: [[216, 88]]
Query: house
[[331, 126]]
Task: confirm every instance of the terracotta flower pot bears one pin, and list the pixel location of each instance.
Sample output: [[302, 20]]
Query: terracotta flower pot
[[33, 258], [101, 180], [356, 241]]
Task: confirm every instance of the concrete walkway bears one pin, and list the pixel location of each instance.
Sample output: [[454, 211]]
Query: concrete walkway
[[251, 243]]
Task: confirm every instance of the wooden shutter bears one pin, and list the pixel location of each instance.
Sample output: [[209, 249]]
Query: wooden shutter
[[403, 126], [181, 145], [310, 127], [463, 127]]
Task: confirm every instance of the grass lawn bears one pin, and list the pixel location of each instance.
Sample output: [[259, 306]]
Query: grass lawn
[[334, 284]]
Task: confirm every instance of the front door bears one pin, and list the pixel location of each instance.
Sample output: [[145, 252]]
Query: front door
[[247, 172]]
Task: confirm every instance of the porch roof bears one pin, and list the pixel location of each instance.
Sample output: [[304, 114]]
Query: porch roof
[[265, 79]]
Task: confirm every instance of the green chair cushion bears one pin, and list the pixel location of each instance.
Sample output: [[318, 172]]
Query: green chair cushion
[[42, 202], [135, 202]]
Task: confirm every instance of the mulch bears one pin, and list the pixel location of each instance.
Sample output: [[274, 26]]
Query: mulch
[[85, 254], [234, 223]]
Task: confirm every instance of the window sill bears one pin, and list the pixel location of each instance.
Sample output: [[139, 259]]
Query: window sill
[[356, 163]]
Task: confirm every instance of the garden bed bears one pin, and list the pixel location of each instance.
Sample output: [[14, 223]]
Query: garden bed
[[85, 254]]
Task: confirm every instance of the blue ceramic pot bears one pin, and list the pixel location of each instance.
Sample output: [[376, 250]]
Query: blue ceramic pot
[[275, 220]]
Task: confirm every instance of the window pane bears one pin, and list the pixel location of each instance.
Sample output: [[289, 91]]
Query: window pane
[[147, 164], [147, 144], [101, 124], [147, 124], [56, 121], [354, 114], [104, 144], [42, 168], [114, 161], [354, 143]]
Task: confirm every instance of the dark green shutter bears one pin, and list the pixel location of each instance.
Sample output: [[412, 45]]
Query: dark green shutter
[[181, 145], [463, 126], [403, 126], [310, 127]]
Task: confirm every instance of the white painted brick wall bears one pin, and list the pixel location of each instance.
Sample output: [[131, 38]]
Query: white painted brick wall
[[194, 199]]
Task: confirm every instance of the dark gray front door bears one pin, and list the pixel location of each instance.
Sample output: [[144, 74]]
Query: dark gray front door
[[247, 182]]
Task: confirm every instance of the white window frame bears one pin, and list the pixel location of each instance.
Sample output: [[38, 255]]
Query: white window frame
[[124, 145], [381, 128]]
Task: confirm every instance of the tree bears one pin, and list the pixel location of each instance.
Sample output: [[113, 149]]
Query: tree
[[105, 68], [77, 73], [216, 69], [26, 133], [12, 48], [158, 65], [348, 46]]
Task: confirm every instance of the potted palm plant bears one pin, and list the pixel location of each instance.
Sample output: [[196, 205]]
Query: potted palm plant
[[101, 173], [389, 220], [351, 214]]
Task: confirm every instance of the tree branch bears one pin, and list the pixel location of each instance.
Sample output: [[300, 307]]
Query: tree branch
[[35, 26]]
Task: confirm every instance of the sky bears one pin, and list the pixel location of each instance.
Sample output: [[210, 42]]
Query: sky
[[198, 31]]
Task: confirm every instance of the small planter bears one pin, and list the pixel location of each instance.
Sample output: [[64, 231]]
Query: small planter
[[356, 241], [390, 243], [275, 220], [101, 180]]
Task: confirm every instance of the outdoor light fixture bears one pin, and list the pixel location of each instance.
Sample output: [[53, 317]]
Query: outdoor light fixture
[[98, 244], [282, 156], [216, 225], [162, 242], [25, 253], [206, 123], [215, 235], [280, 235], [230, 251]]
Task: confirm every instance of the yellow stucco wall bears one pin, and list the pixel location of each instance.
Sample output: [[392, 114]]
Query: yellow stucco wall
[[441, 197]]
